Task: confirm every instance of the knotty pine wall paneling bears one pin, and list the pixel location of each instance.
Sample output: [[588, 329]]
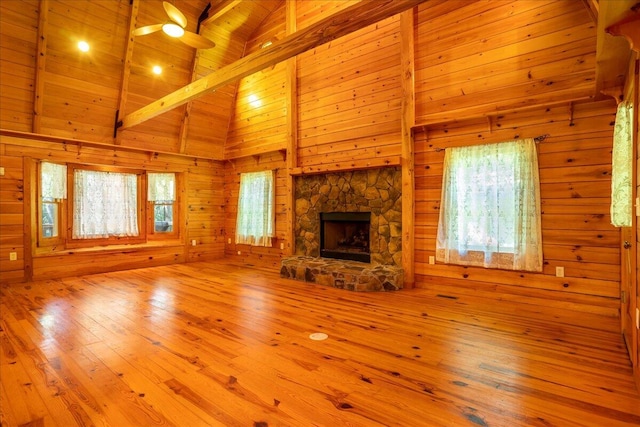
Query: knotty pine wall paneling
[[258, 122], [478, 58], [18, 36], [575, 181], [246, 254], [202, 213], [349, 96]]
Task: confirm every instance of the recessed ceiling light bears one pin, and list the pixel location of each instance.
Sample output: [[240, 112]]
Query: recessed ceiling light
[[157, 69], [173, 30], [83, 46]]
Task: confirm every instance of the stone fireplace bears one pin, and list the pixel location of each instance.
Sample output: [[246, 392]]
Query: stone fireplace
[[375, 191], [334, 213]]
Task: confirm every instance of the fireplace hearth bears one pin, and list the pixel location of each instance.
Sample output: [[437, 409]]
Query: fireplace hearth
[[345, 235]]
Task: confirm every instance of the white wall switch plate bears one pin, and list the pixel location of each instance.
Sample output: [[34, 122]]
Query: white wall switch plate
[[432, 259], [193, 242], [281, 245], [559, 271], [1, 171], [637, 318], [13, 256]]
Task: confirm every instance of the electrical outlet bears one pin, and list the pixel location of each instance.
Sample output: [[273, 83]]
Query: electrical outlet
[[1, 171], [281, 246], [229, 240], [13, 256], [432, 259], [193, 242], [559, 271]]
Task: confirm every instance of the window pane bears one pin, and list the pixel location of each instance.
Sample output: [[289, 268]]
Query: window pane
[[49, 220], [490, 208], [255, 220], [105, 204], [163, 217]]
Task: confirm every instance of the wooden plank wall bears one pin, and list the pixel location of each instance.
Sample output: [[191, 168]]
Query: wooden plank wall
[[349, 94], [253, 255], [203, 207], [575, 181], [258, 123], [479, 58], [18, 35]]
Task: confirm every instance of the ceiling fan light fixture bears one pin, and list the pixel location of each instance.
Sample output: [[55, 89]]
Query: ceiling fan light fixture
[[173, 30]]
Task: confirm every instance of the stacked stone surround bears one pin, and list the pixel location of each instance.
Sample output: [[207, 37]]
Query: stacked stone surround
[[378, 191], [341, 274]]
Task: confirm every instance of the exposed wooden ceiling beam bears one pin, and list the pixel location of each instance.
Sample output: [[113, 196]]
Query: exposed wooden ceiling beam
[[612, 53], [220, 9], [341, 23]]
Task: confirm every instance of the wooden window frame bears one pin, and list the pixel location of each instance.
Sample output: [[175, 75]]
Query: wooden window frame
[[65, 241], [154, 235]]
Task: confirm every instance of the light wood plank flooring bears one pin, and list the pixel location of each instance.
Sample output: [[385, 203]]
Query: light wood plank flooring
[[210, 344]]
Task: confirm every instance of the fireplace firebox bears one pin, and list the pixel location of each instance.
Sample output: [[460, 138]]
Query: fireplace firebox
[[345, 235]]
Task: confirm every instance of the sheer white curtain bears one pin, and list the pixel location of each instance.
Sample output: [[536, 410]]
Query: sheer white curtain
[[54, 180], [622, 167], [490, 207], [104, 204], [255, 224], [162, 187]]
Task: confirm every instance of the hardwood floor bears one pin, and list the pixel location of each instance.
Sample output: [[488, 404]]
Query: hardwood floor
[[209, 344]]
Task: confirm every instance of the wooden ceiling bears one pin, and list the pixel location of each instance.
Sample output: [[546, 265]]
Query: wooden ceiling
[[75, 95]]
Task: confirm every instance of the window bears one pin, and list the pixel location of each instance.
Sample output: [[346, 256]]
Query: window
[[105, 206], [256, 204], [53, 192], [490, 207], [162, 195]]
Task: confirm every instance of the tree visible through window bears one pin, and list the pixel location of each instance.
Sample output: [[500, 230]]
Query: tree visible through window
[[162, 193], [256, 204], [490, 207]]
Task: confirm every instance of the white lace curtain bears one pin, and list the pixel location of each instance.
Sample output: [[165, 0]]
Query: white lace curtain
[[162, 187], [54, 181], [622, 167], [255, 224], [104, 204], [490, 207]]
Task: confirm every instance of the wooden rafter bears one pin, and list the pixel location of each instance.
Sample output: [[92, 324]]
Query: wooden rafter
[[221, 9], [126, 68], [348, 20], [41, 58]]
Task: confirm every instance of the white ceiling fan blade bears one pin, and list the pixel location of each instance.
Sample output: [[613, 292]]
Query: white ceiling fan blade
[[143, 31], [174, 14], [196, 40]]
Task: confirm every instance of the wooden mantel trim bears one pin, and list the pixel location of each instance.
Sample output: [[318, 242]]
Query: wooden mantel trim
[[346, 167], [346, 21]]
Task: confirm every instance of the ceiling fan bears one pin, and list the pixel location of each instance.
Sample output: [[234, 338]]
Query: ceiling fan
[[175, 27]]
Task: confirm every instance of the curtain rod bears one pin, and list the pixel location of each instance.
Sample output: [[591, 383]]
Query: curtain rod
[[537, 139]]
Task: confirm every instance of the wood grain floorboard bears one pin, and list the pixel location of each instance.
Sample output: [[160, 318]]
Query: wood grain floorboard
[[212, 344]]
